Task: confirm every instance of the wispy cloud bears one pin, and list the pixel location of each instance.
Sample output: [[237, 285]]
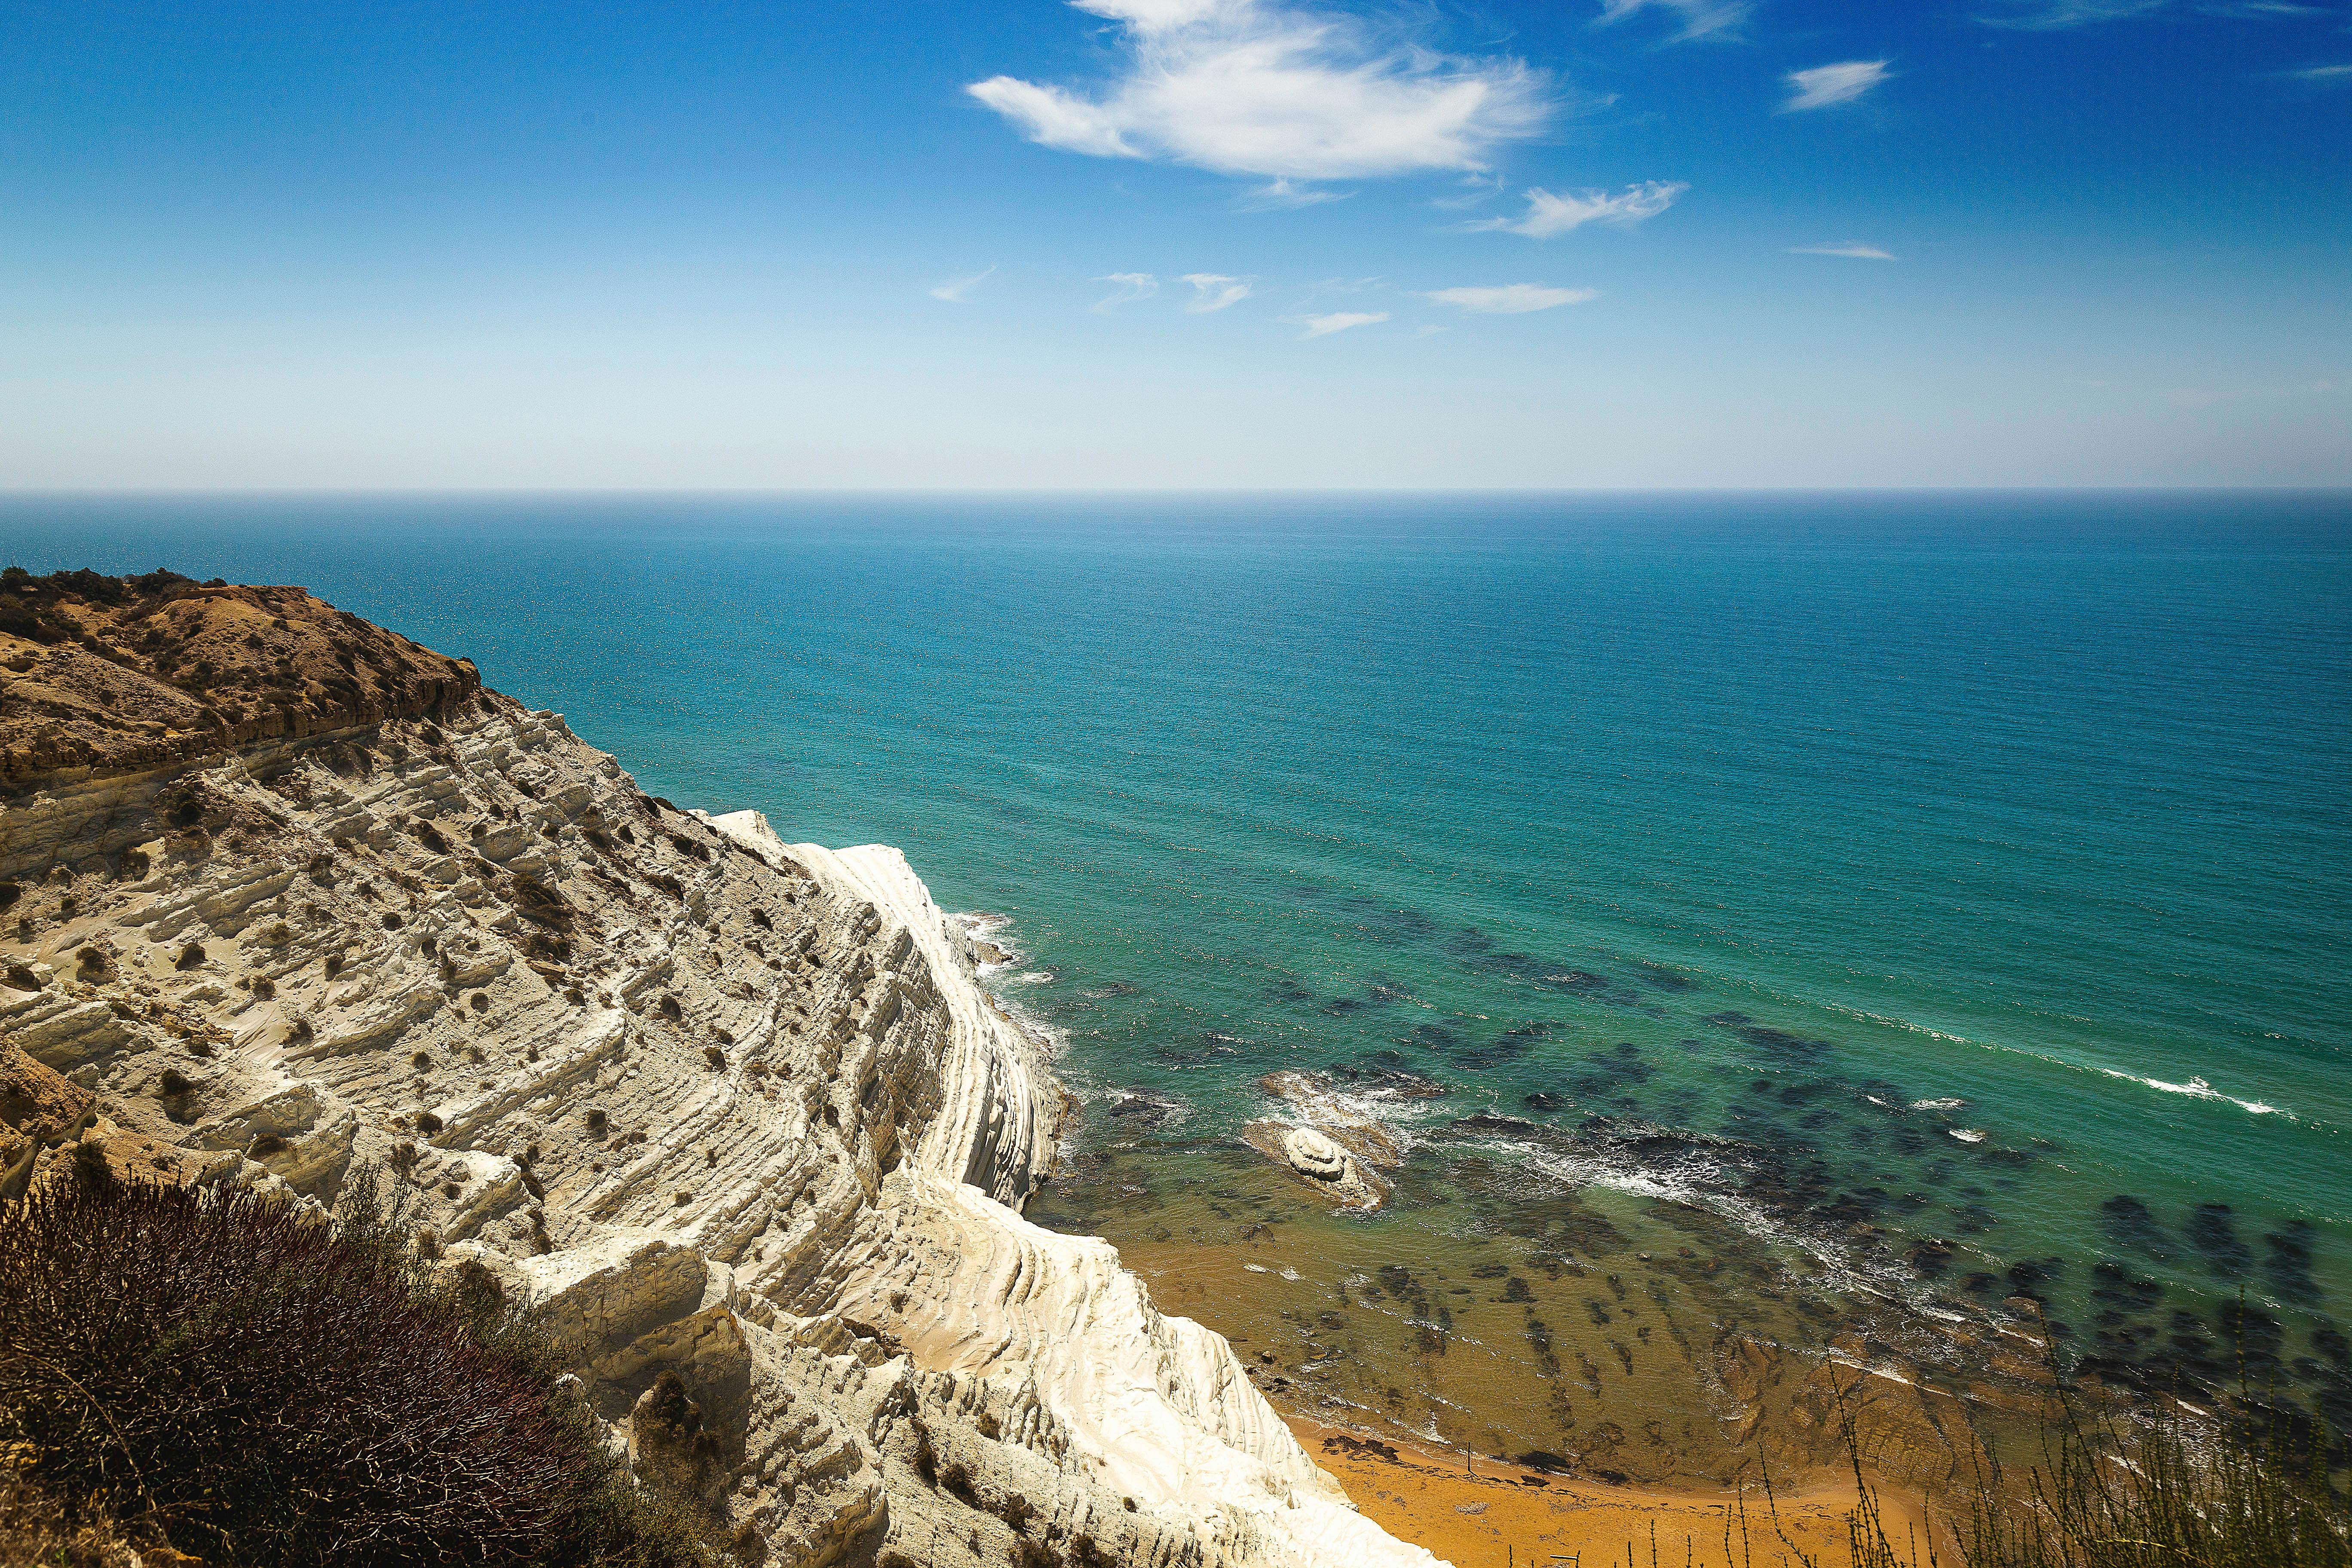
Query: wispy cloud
[[1700, 18], [1858, 252], [1473, 189], [1278, 194], [1132, 286], [1549, 214], [1511, 299], [1338, 321], [2326, 76], [957, 291], [2052, 14], [1826, 87], [1214, 291], [1279, 91]]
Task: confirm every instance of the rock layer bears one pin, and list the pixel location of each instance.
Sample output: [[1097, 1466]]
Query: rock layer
[[736, 1112]]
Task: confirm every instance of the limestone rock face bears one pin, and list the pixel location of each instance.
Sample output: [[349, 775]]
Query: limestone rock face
[[736, 1112]]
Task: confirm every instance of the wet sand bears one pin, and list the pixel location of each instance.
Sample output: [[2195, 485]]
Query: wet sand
[[1501, 1515]]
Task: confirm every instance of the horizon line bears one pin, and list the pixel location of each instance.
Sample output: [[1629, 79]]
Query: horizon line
[[9, 494]]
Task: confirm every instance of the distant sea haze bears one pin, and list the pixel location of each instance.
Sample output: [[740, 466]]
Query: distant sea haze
[[1968, 873]]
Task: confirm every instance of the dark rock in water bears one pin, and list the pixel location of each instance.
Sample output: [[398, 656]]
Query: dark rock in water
[[2013, 1159], [1469, 940], [2257, 1339], [1974, 1219], [2117, 1289], [1383, 923], [1666, 979], [1141, 1108], [1387, 1071], [1932, 1258], [2128, 1224], [1542, 1101], [2288, 1264], [1729, 1020], [2213, 1231], [1982, 1283], [1535, 1031], [1205, 1048], [1611, 1072], [1434, 1037], [1846, 1208], [2034, 1277], [1290, 990], [1484, 1122], [1340, 1006], [1784, 1046], [2191, 1351]]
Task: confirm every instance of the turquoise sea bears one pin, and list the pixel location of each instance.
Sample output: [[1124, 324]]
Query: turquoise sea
[[1956, 887]]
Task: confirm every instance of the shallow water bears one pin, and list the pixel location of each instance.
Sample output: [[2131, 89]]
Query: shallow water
[[1945, 893]]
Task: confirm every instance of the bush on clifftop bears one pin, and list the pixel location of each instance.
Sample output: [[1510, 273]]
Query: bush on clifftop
[[264, 1390]]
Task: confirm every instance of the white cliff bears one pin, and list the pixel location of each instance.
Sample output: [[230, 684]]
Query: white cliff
[[736, 1112]]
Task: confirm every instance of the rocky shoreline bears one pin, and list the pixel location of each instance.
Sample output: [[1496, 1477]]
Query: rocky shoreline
[[286, 893]]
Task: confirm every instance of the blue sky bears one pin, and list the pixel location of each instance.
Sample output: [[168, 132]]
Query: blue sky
[[1220, 243]]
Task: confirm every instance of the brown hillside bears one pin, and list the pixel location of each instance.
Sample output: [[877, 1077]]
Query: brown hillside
[[102, 675]]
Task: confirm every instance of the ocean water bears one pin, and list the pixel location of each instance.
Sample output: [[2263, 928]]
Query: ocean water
[[1949, 894]]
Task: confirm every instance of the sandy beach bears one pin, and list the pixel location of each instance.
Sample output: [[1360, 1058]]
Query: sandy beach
[[1493, 1514]]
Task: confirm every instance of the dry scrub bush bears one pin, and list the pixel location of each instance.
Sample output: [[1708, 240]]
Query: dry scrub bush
[[270, 1390]]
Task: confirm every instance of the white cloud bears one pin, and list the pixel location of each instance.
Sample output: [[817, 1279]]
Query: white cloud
[[1132, 286], [2048, 15], [957, 291], [1338, 321], [2323, 73], [1549, 214], [1277, 193], [1511, 299], [2045, 16], [1859, 252], [1825, 87], [1052, 118], [1214, 291], [1701, 19], [1272, 89]]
